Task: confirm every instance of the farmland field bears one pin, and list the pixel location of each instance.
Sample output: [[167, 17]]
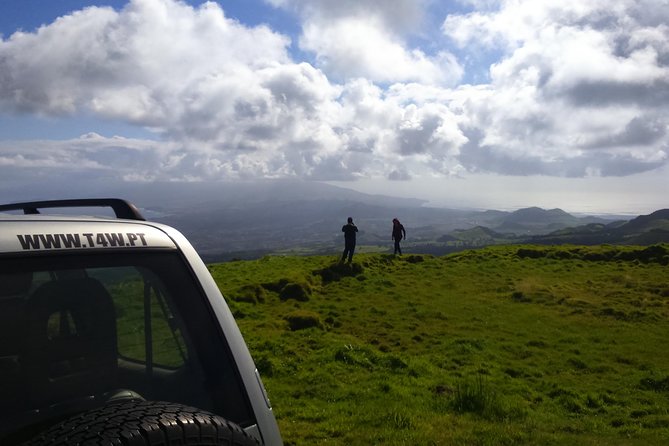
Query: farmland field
[[505, 345]]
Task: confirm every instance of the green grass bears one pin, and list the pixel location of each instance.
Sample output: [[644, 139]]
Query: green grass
[[502, 346]]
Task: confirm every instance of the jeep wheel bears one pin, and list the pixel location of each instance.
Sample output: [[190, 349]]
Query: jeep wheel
[[144, 423]]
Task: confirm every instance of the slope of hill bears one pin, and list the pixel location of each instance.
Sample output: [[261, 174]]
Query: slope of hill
[[480, 236], [658, 220], [521, 345]]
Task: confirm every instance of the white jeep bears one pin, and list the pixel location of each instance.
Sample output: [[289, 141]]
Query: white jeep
[[113, 332]]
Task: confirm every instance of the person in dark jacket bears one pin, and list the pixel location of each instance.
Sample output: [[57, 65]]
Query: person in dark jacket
[[398, 234], [349, 230]]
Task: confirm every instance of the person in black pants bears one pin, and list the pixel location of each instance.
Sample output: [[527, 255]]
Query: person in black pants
[[349, 230], [398, 234]]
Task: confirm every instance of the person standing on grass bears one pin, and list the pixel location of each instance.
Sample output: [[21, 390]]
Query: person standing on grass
[[398, 234], [349, 230]]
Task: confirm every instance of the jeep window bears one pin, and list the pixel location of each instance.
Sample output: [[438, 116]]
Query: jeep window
[[78, 330], [130, 287]]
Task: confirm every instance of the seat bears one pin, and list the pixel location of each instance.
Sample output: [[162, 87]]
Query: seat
[[70, 346]]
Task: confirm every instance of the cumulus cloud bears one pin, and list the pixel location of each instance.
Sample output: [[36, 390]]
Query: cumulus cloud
[[358, 47], [140, 63], [578, 89], [398, 16], [368, 39], [581, 88]]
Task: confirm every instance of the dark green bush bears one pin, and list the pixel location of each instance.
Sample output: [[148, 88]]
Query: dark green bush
[[275, 286], [265, 366], [297, 291], [414, 259], [530, 253], [249, 293], [656, 385], [338, 271], [301, 319]]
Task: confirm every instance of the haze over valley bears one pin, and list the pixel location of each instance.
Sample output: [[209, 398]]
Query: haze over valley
[[252, 219]]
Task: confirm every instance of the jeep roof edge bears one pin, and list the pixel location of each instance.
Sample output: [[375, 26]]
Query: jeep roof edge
[[122, 208]]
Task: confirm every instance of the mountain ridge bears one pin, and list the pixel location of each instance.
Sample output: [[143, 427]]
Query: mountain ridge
[[249, 224]]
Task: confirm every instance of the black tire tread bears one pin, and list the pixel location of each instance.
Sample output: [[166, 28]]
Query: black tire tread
[[141, 423]]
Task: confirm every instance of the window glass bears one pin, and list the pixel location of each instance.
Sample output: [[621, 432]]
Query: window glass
[[136, 293]]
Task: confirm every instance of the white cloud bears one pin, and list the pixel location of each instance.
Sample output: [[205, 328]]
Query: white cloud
[[580, 89], [137, 63], [397, 16], [359, 47], [369, 39]]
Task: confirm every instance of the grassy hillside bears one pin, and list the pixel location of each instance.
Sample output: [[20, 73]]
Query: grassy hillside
[[504, 345]]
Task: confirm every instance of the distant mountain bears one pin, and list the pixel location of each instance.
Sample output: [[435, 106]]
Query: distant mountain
[[248, 220], [658, 220], [533, 215], [642, 230], [199, 196], [534, 220], [478, 234]]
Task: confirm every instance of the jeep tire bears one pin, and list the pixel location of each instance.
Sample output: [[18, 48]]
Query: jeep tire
[[144, 423]]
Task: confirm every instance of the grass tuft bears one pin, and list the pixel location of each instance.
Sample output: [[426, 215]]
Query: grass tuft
[[478, 398]]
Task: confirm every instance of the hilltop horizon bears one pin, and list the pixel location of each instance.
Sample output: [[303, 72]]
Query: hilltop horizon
[[175, 195], [252, 219]]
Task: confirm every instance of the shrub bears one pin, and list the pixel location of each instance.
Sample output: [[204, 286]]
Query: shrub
[[301, 319], [275, 286], [394, 363], [560, 254], [297, 291], [519, 296], [249, 293], [656, 385], [338, 271], [265, 366], [414, 259], [530, 253]]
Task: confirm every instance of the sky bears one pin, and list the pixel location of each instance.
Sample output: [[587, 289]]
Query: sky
[[491, 104]]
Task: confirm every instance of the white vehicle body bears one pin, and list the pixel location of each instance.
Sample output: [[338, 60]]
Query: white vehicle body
[[104, 250]]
